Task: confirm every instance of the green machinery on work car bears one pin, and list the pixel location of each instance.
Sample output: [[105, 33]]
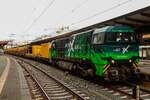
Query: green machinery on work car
[[110, 52]]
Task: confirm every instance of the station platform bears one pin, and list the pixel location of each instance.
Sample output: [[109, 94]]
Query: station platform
[[145, 62], [13, 85], [145, 70], [144, 67]]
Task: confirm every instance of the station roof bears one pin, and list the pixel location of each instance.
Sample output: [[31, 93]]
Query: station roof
[[139, 20]]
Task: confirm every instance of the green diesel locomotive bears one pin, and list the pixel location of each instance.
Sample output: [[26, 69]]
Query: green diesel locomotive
[[110, 52]]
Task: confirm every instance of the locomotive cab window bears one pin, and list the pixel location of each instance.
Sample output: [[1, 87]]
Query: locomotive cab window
[[120, 38], [98, 38]]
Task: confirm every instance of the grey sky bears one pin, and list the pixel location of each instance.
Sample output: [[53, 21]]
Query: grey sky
[[17, 15]]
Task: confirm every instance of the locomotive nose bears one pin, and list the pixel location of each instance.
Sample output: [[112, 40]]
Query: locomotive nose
[[116, 73]]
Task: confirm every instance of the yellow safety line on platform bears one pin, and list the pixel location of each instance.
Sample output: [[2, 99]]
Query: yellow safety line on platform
[[4, 75]]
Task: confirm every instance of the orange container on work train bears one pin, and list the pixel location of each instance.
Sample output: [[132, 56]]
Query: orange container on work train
[[20, 50], [41, 50], [36, 50], [44, 50]]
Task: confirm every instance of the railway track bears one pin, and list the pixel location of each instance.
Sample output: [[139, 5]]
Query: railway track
[[46, 87], [125, 90], [37, 92], [118, 91], [121, 92], [129, 92]]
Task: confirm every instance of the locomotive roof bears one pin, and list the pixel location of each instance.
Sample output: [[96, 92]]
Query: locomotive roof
[[114, 29]]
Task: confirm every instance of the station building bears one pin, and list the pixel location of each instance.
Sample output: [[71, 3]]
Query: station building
[[145, 47]]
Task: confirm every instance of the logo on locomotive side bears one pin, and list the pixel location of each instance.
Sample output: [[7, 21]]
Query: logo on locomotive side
[[124, 50], [70, 47]]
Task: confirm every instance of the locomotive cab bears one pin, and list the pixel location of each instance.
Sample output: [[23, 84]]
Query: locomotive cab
[[118, 49]]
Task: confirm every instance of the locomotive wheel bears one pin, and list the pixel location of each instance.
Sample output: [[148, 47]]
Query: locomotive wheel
[[74, 67], [54, 63], [81, 71], [91, 72]]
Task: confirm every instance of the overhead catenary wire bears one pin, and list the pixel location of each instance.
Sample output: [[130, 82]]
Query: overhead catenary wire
[[74, 9], [99, 13], [37, 18], [78, 6]]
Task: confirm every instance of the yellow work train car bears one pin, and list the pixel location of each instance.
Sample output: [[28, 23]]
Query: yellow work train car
[[40, 51], [20, 50], [44, 50], [33, 51], [36, 50]]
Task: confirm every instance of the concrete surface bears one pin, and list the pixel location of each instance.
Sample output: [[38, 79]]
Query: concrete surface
[[144, 67], [15, 87], [145, 63], [3, 62], [145, 70]]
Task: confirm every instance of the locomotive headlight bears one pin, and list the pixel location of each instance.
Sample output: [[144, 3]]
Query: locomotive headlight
[[130, 60], [112, 61]]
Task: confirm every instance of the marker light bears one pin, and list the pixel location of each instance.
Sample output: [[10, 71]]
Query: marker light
[[112, 61], [130, 60]]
